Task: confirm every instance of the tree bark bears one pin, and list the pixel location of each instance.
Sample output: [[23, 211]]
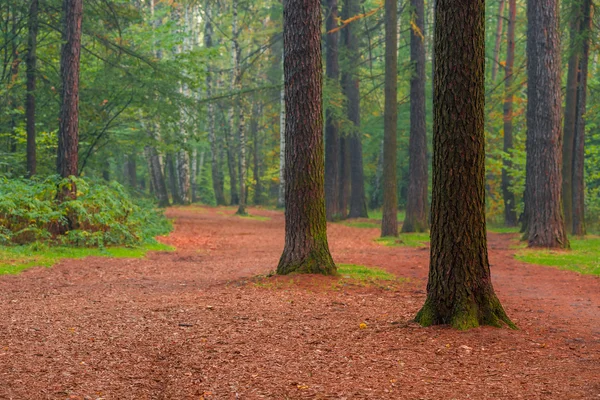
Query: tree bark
[[258, 187], [157, 178], [499, 26], [242, 138], [543, 186], [306, 248], [350, 84], [416, 207], [459, 291], [231, 160], [68, 131], [344, 177], [389, 223], [332, 140], [172, 171], [570, 115], [282, 185], [31, 88], [510, 214], [579, 139]]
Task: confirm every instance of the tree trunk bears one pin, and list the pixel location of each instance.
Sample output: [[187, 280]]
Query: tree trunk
[[194, 175], [210, 111], [570, 115], [31, 88], [416, 207], [496, 60], [459, 291], [510, 214], [242, 137], [282, 185], [579, 140], [389, 223], [258, 188], [68, 131], [350, 83], [306, 249], [182, 163], [231, 160], [157, 178], [543, 186], [332, 140], [172, 171], [344, 177]]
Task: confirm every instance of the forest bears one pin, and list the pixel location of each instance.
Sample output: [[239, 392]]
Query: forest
[[295, 199]]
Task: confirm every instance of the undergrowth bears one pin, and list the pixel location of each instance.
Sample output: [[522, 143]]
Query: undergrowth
[[104, 214]]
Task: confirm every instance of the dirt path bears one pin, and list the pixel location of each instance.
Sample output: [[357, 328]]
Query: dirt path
[[186, 325]]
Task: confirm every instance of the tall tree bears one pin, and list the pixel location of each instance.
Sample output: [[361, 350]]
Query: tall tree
[[510, 213], [257, 152], [579, 136], [68, 130], [332, 140], [545, 226], [416, 207], [459, 291], [235, 65], [31, 87], [282, 146], [389, 223], [306, 249], [351, 85], [499, 26]]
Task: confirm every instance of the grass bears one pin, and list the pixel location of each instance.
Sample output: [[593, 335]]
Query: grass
[[362, 224], [584, 256], [502, 229], [378, 215], [254, 217], [405, 240], [363, 273], [14, 259]]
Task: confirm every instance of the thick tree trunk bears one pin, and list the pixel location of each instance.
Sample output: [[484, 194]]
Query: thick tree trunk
[[389, 223], [499, 25], [68, 131], [332, 140], [350, 83], [31, 88], [579, 139], [570, 115], [510, 214], [418, 180], [543, 187], [306, 249], [459, 291]]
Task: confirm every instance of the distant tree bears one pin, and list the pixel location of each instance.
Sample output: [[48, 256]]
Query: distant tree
[[459, 291], [416, 207], [510, 213], [499, 26], [31, 87], [545, 226], [389, 223], [332, 140], [68, 131], [306, 249]]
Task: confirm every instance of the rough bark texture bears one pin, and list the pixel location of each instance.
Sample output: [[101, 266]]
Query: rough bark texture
[[510, 214], [459, 291], [499, 26], [68, 130], [389, 223], [570, 115], [31, 63], [350, 83], [332, 140], [416, 206], [543, 187], [306, 249], [579, 137]]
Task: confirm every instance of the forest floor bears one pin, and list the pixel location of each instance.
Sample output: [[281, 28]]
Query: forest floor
[[198, 324]]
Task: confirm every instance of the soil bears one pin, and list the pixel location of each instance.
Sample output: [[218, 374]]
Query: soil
[[195, 324]]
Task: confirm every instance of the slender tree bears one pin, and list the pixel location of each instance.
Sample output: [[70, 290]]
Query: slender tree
[[499, 27], [31, 87], [389, 223], [282, 185], [459, 291], [344, 176], [416, 207], [351, 85], [545, 225], [306, 249], [510, 213], [68, 130], [235, 72], [257, 153], [332, 141]]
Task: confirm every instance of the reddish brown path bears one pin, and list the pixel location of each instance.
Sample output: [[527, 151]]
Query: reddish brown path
[[186, 325]]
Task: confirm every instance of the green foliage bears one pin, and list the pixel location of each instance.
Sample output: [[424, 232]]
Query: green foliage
[[406, 240], [14, 259], [584, 256], [102, 214]]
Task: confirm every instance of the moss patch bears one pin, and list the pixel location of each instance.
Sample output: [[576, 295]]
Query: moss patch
[[14, 259]]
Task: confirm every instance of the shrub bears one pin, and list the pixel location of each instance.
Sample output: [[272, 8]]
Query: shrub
[[103, 214]]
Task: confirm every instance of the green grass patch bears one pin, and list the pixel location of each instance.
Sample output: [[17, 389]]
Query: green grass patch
[[406, 240], [365, 223], [254, 217], [502, 229], [378, 215], [14, 259], [584, 256], [363, 273]]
